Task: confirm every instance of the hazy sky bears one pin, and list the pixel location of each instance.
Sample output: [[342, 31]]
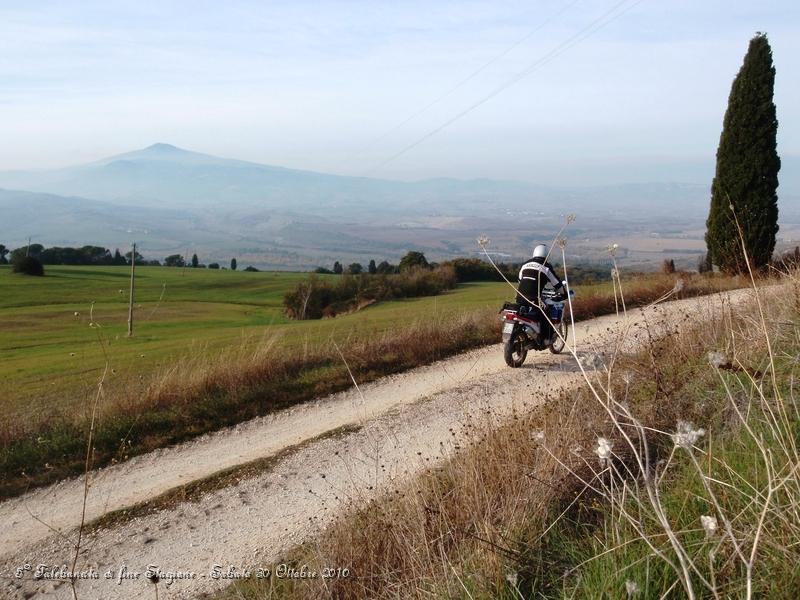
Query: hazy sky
[[318, 85]]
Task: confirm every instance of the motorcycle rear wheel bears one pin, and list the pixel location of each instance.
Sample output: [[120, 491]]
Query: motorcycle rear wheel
[[514, 350]]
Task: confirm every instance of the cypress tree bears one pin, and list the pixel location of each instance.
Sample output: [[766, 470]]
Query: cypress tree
[[746, 179]]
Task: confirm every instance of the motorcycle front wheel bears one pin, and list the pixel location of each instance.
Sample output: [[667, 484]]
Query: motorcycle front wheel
[[514, 350], [559, 341]]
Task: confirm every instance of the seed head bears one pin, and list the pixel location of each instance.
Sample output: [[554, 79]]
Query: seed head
[[709, 524], [484, 241], [717, 359], [603, 450], [686, 435], [512, 578]]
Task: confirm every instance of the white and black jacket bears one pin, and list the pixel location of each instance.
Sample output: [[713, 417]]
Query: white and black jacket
[[533, 277]]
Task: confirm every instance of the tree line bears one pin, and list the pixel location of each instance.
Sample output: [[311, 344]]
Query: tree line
[[466, 269], [414, 276], [316, 297], [97, 256]]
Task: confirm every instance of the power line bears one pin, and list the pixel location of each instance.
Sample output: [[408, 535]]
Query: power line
[[474, 74], [603, 20]]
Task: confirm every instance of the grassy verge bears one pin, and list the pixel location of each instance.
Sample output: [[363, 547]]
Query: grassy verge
[[194, 490], [531, 510], [193, 396]]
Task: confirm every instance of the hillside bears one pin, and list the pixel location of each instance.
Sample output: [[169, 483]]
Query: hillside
[[275, 217]]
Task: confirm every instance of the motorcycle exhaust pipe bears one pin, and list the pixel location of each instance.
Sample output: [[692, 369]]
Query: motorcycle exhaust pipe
[[532, 331]]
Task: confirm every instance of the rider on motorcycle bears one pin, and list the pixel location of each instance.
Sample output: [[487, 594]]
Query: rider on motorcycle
[[533, 277]]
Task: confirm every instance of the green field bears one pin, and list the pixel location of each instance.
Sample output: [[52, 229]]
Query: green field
[[52, 357]]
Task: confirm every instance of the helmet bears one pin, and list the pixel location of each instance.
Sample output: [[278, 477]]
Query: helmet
[[540, 251]]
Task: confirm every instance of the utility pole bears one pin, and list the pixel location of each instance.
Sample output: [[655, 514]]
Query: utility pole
[[185, 254], [130, 294]]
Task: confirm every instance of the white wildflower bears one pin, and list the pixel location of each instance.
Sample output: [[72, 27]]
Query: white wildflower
[[484, 241], [679, 283], [603, 449], [631, 588], [570, 218], [686, 435], [512, 578], [591, 360], [561, 242], [614, 274], [537, 436], [76, 313], [717, 359], [709, 524]]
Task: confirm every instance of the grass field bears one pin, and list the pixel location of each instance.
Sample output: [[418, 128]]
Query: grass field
[[49, 356]]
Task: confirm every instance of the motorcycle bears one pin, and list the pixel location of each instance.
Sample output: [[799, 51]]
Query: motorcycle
[[522, 327]]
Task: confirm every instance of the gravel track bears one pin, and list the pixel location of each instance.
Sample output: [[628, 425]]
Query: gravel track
[[404, 424]]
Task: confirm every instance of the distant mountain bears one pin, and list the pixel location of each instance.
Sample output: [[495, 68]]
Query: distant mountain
[[162, 173], [63, 221], [170, 198]]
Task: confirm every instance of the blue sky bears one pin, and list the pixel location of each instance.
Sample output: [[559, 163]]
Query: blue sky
[[318, 85]]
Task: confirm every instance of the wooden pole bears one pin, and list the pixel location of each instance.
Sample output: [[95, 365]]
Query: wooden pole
[[130, 294]]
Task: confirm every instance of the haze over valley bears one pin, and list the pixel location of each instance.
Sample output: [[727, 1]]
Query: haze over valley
[[170, 200]]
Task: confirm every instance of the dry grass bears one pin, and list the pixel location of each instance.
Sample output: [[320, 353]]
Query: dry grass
[[482, 524]]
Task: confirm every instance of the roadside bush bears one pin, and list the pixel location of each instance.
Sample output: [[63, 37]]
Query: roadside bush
[[27, 265], [317, 298], [475, 269]]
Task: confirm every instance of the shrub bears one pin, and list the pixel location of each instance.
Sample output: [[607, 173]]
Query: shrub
[[413, 260], [316, 298], [27, 265]]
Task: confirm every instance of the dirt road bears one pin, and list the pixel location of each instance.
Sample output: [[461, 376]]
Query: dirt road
[[396, 427]]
